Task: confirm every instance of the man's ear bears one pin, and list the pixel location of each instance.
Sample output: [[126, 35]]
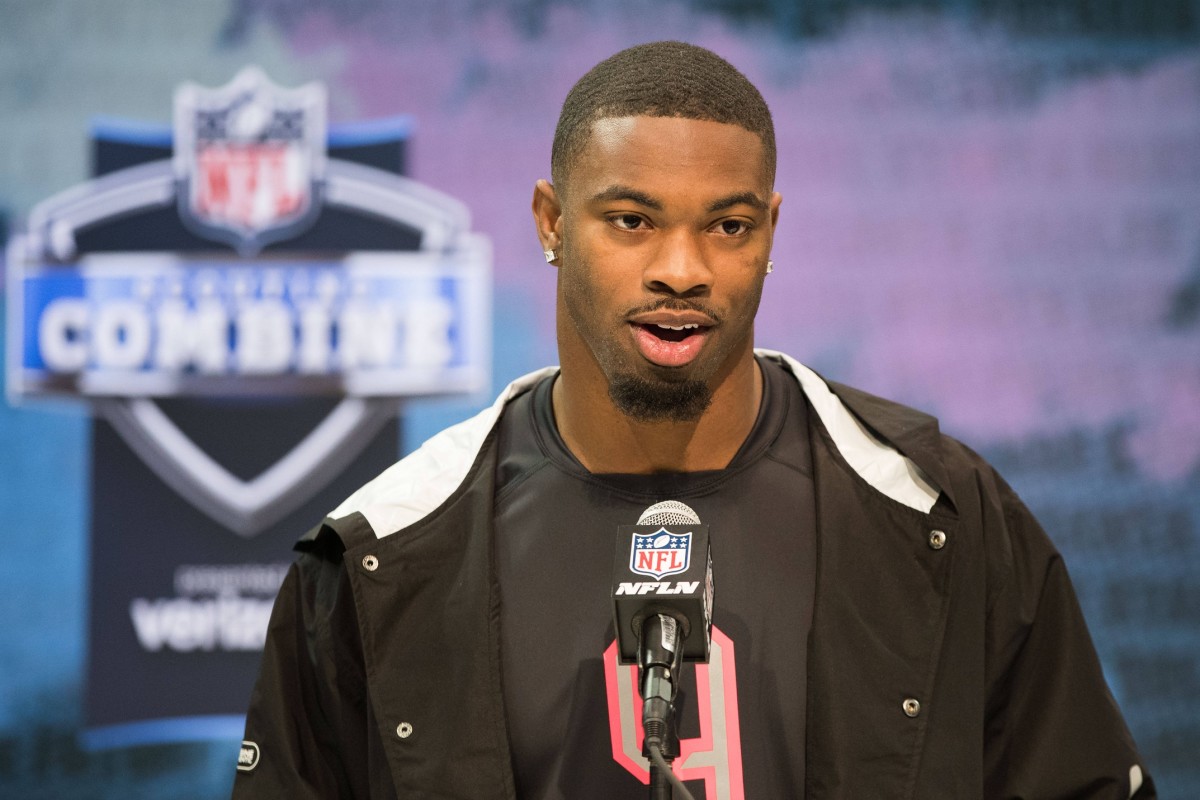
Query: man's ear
[[547, 217]]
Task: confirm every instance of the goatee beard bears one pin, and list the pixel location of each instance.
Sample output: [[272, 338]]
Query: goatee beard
[[659, 401]]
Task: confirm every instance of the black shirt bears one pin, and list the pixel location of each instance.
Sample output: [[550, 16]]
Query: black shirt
[[572, 712]]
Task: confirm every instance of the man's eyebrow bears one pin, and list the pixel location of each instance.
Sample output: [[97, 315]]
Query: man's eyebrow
[[619, 192], [746, 198]]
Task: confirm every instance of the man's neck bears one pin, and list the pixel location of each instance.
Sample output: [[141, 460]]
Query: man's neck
[[605, 440]]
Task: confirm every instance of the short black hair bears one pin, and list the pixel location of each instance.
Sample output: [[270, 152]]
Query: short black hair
[[660, 79]]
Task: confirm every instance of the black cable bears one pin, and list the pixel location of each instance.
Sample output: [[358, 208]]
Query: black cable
[[660, 785], [665, 768]]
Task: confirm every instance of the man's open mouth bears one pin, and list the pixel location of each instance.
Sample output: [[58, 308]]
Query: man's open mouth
[[670, 345], [674, 333]]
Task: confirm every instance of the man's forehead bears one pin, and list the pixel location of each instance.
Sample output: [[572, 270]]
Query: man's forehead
[[655, 148], [607, 132], [610, 131]]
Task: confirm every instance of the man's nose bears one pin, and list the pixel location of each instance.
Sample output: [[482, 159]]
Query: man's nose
[[679, 267]]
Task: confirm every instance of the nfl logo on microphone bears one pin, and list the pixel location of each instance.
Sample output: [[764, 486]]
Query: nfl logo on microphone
[[660, 554]]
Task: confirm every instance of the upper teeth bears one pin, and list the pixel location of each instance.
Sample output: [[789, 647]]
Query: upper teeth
[[678, 328]]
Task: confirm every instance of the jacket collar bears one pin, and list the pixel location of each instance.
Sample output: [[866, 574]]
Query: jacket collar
[[893, 448], [912, 432]]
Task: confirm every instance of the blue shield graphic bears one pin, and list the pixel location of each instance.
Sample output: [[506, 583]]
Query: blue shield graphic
[[660, 554]]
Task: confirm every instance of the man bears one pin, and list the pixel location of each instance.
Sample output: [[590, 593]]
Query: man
[[890, 621]]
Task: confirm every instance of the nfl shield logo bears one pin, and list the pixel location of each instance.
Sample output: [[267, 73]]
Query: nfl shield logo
[[660, 554], [249, 159]]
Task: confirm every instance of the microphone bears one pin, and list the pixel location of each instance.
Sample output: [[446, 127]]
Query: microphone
[[661, 623], [663, 565]]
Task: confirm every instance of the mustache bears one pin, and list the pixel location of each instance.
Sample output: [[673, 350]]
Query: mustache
[[676, 304]]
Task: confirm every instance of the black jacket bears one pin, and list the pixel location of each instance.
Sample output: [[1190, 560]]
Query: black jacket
[[948, 656]]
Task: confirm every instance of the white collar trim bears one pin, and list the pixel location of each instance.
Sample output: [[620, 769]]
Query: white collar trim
[[879, 464], [415, 486]]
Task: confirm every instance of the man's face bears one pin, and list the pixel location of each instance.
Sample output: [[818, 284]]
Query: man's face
[[665, 231]]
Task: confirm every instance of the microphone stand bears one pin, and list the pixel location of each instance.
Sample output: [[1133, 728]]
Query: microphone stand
[[660, 653]]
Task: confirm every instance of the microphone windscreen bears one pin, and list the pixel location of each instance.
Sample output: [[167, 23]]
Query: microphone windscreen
[[669, 512]]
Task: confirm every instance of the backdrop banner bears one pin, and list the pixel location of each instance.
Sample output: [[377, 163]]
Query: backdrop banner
[[241, 298]]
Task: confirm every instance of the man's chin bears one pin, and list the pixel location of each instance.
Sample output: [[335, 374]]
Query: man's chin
[[647, 399]]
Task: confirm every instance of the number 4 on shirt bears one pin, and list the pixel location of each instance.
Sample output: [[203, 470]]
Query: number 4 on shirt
[[715, 756]]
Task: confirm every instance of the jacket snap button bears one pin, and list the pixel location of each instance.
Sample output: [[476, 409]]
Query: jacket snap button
[[912, 707], [404, 730], [370, 563], [937, 539]]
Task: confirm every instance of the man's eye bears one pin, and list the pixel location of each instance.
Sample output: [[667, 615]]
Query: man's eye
[[733, 227], [627, 222]]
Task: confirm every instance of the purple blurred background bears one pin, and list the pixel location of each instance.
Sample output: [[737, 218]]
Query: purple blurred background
[[991, 211]]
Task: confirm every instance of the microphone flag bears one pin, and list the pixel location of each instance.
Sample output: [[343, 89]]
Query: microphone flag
[[663, 569]]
